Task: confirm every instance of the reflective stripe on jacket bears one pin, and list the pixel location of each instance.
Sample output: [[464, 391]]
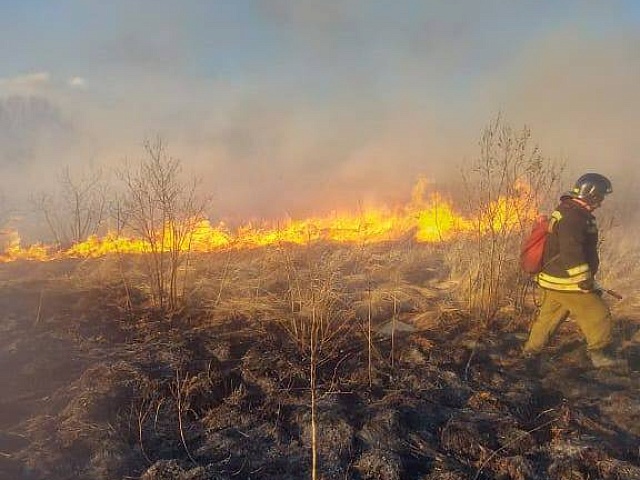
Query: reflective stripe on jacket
[[571, 250]]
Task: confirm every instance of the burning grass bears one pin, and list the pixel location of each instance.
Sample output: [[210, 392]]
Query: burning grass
[[98, 384]]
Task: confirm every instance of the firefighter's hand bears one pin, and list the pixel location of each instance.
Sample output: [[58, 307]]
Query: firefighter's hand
[[587, 285], [591, 286]]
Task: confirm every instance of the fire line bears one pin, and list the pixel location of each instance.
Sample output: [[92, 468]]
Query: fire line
[[425, 220]]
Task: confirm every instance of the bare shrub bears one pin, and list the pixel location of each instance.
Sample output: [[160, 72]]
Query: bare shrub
[[77, 209], [162, 209], [318, 321], [503, 189]]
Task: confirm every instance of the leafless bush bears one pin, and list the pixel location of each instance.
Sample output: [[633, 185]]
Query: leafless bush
[[505, 186], [77, 209], [162, 209], [319, 319]]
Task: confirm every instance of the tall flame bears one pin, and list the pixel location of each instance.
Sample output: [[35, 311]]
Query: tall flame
[[425, 218]]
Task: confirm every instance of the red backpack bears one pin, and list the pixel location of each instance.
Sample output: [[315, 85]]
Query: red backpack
[[532, 248]]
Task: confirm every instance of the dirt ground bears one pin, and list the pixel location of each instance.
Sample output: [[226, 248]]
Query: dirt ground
[[92, 390]]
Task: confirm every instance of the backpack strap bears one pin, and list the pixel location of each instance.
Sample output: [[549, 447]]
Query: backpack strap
[[556, 216]]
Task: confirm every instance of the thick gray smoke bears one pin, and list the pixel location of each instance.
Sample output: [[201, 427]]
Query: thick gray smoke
[[298, 108]]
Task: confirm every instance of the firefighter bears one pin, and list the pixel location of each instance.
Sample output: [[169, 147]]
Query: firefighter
[[567, 279]]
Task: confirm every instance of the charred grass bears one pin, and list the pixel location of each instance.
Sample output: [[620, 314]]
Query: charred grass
[[96, 384]]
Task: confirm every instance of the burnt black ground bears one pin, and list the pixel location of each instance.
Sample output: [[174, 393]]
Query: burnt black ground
[[90, 391]]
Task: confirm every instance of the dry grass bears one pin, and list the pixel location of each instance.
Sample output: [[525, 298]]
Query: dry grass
[[620, 268], [222, 389]]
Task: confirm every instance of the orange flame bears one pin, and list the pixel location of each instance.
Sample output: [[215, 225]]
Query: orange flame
[[426, 220]]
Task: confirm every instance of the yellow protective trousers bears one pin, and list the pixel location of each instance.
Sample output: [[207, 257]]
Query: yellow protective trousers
[[588, 310]]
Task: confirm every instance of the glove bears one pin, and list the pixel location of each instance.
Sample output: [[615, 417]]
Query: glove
[[587, 285], [591, 285]]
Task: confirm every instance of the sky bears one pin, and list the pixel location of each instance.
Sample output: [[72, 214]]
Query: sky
[[297, 107]]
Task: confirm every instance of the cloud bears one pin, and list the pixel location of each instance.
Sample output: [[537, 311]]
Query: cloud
[[27, 83], [77, 82]]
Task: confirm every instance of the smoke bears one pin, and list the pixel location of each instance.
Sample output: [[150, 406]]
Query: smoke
[[579, 95], [34, 137], [298, 108]]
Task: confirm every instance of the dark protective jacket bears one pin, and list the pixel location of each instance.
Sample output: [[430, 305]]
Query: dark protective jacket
[[571, 251]]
